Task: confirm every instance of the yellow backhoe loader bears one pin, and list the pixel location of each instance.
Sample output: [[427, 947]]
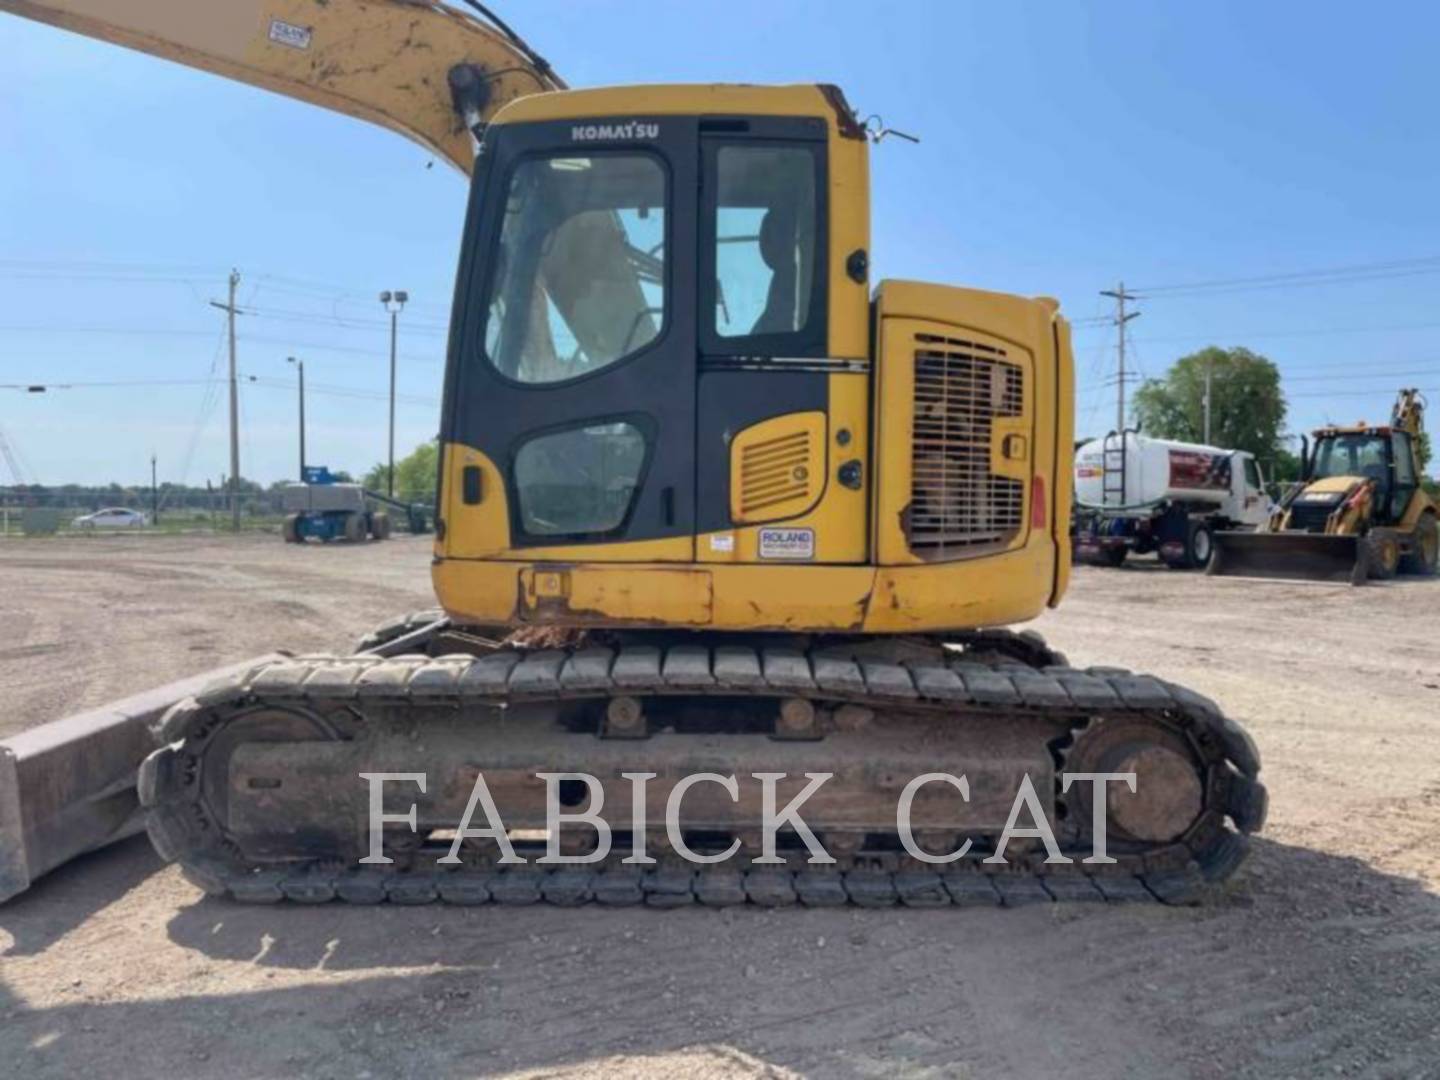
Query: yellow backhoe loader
[[1359, 511], [710, 504]]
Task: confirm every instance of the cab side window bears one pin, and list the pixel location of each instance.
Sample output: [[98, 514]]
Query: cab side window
[[766, 226], [1252, 474]]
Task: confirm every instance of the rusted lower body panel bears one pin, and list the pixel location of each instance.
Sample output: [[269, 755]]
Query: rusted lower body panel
[[68, 787]]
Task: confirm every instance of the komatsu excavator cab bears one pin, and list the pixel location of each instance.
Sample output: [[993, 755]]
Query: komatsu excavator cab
[[672, 399]]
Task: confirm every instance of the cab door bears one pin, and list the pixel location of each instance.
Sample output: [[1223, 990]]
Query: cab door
[[570, 410], [781, 432]]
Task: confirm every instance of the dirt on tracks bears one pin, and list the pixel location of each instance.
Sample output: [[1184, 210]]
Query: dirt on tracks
[[1323, 960]]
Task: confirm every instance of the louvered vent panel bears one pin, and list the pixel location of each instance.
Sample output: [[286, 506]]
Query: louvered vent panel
[[775, 471], [957, 505]]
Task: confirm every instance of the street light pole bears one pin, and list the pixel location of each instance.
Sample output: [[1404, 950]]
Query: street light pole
[[300, 364], [394, 304]]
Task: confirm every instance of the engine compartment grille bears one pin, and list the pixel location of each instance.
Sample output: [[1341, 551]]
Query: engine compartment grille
[[958, 506], [1309, 517], [775, 471]]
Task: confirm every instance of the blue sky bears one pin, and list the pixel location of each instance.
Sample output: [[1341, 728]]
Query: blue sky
[[1064, 147]]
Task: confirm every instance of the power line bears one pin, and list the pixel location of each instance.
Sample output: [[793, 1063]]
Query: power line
[[208, 400], [146, 331], [1368, 373], [1410, 371], [1351, 394], [91, 384], [1325, 331], [10, 453], [348, 322], [1356, 271], [257, 380], [168, 273], [258, 339], [343, 391], [136, 267]]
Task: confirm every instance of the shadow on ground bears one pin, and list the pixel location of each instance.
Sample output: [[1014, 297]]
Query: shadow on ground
[[1309, 956], [61, 901]]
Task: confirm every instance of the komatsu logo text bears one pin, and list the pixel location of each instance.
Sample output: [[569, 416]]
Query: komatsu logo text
[[630, 130]]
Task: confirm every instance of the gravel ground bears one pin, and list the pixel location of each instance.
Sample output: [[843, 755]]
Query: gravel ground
[[1324, 959]]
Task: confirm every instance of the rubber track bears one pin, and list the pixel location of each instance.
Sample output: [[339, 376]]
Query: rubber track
[[1183, 872]]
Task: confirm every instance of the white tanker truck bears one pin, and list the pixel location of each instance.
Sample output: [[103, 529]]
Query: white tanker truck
[[1137, 494]]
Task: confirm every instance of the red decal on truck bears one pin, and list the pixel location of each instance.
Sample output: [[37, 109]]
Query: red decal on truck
[[1194, 469]]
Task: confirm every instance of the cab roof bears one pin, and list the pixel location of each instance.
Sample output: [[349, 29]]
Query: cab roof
[[1353, 429], [687, 99]]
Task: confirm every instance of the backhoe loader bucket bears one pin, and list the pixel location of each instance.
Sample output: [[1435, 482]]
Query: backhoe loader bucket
[[1297, 556]]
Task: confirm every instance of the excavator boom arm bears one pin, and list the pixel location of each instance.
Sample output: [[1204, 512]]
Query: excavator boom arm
[[1409, 413], [418, 67], [427, 71]]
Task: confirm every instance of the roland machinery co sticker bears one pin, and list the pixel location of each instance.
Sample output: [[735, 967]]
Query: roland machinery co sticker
[[787, 543]]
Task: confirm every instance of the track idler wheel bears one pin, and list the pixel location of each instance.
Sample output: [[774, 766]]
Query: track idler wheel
[[1169, 790]]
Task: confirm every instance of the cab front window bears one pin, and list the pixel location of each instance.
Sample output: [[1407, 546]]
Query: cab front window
[[1353, 455], [578, 281]]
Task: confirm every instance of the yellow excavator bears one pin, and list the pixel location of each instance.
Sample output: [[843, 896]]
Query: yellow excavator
[[1360, 510], [711, 504]]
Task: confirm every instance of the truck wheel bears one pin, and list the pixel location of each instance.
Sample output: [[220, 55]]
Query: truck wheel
[[355, 528], [1383, 554], [1113, 556], [380, 525], [1426, 556], [291, 528], [1202, 545]]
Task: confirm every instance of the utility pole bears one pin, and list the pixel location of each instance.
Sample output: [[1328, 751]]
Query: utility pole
[[1209, 365], [231, 310], [154, 494], [1121, 318], [394, 304], [300, 364]]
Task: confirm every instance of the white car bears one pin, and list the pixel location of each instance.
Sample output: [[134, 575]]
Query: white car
[[114, 517]]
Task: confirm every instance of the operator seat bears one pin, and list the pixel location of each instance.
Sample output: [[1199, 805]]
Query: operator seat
[[777, 248]]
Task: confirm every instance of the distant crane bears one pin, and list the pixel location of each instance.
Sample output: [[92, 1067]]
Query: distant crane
[[11, 456]]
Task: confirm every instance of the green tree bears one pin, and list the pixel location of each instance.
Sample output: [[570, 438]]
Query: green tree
[[1247, 408], [415, 474], [1282, 467]]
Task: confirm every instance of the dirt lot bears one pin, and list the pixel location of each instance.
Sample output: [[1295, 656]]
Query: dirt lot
[[1325, 958]]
